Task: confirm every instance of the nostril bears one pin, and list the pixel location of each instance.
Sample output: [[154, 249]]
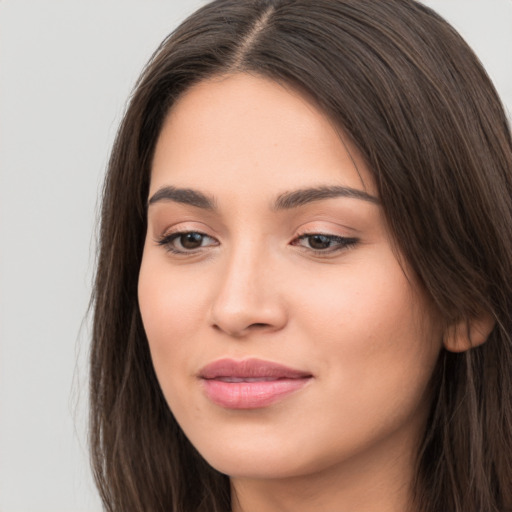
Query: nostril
[[258, 325]]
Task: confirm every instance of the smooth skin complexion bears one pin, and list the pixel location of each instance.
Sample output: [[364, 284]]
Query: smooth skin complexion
[[266, 241]]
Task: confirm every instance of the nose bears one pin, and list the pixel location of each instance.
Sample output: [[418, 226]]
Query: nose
[[249, 295]]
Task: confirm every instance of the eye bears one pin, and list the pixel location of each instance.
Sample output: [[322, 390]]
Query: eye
[[186, 241], [321, 243]]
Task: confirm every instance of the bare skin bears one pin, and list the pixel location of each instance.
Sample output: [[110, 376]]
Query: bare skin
[[251, 266]]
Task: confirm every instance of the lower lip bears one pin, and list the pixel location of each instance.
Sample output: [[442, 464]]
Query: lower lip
[[251, 395]]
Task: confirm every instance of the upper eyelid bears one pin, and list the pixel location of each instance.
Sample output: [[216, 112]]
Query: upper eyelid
[[191, 224], [181, 228], [349, 233], [176, 234]]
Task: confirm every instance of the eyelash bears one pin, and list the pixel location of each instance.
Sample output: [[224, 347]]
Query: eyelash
[[342, 243]]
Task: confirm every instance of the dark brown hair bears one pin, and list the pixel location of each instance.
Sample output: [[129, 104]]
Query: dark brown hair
[[416, 102]]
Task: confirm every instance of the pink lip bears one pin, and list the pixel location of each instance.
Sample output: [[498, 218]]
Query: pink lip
[[251, 383]]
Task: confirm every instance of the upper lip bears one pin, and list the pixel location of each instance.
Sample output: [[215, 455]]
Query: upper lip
[[250, 368]]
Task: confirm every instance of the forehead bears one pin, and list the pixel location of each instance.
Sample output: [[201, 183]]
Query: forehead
[[244, 129]]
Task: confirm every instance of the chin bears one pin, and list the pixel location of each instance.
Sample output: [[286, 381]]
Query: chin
[[260, 467], [262, 459]]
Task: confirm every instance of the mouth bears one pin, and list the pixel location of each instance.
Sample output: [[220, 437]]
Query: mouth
[[251, 383]]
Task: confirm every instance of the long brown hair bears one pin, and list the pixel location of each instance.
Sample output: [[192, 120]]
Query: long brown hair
[[417, 103]]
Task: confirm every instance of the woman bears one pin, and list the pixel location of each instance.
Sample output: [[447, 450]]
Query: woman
[[303, 294]]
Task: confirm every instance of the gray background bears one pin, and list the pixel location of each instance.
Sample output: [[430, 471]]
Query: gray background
[[66, 69]]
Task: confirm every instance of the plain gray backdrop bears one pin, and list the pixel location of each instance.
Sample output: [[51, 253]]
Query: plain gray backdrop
[[66, 70]]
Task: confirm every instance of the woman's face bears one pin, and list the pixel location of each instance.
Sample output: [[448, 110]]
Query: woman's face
[[286, 336]]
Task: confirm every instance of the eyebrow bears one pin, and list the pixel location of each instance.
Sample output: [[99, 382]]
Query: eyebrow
[[183, 195], [296, 198], [285, 201]]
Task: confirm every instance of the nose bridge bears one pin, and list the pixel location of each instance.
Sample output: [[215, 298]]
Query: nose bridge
[[247, 295], [244, 264]]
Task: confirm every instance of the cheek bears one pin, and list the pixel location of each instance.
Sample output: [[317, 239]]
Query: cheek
[[171, 309], [372, 324], [367, 300]]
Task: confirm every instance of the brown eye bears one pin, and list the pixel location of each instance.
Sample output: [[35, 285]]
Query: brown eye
[[319, 242], [191, 240]]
